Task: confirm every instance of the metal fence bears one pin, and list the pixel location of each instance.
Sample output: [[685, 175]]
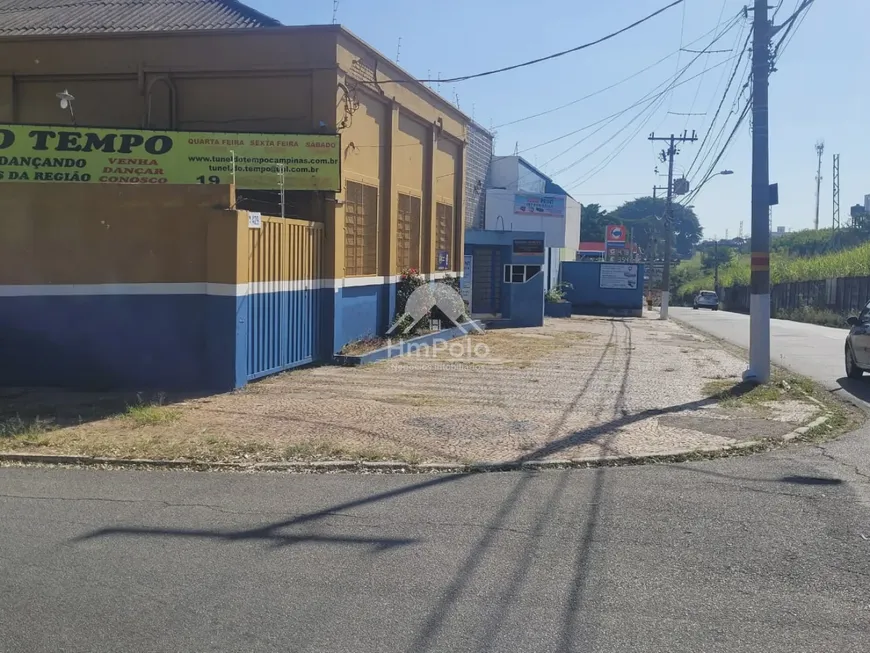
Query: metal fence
[[284, 295], [843, 295]]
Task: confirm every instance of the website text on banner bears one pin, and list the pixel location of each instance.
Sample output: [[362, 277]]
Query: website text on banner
[[541, 205], [108, 156]]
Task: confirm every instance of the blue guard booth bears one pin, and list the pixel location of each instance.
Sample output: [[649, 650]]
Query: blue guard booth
[[604, 288], [504, 277]]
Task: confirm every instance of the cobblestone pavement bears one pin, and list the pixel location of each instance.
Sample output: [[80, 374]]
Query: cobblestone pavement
[[573, 388]]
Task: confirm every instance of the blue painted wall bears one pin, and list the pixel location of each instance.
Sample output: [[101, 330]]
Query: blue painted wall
[[587, 295], [525, 301], [121, 342], [359, 312]]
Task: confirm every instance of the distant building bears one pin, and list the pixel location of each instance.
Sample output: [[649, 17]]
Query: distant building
[[590, 251], [522, 198], [780, 231]]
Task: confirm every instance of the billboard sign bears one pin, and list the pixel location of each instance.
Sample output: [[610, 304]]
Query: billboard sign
[[528, 246], [31, 153], [615, 235], [616, 276], [540, 205]]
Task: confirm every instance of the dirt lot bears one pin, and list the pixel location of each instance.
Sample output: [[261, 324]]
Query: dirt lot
[[573, 388]]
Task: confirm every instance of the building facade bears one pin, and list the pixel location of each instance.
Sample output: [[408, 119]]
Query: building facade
[[400, 201]]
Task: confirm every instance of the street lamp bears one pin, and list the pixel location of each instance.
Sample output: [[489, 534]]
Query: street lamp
[[701, 185]]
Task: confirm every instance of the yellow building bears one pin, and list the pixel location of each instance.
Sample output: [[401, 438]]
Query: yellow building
[[217, 66]]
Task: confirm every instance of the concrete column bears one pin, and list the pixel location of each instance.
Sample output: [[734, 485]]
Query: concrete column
[[226, 275], [428, 254], [458, 262], [390, 215]]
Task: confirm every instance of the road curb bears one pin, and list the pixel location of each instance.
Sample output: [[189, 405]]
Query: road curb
[[399, 467]]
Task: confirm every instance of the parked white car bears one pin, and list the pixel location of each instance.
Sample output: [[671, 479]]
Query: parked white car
[[706, 299]]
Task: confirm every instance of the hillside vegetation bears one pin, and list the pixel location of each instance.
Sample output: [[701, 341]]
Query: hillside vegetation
[[799, 256]]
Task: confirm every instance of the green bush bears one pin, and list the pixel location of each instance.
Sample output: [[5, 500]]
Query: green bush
[[556, 294]]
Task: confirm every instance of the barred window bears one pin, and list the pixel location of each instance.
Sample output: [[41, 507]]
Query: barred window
[[361, 230], [444, 235], [408, 233]]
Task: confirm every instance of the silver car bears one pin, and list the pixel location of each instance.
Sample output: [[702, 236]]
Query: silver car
[[706, 299]]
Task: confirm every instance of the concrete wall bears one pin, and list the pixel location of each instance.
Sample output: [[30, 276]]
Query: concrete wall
[[120, 287], [588, 297]]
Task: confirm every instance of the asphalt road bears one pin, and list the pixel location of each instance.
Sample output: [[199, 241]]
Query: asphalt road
[[812, 351], [768, 553]]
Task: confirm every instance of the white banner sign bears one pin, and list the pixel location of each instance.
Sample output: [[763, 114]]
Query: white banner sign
[[540, 205], [623, 277]]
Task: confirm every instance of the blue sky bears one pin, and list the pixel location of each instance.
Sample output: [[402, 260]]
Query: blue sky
[[819, 91]]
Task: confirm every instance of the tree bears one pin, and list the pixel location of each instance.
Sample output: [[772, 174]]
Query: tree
[[721, 255], [593, 223], [645, 216]]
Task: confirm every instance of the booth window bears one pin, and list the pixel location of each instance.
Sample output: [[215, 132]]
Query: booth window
[[444, 230], [520, 273], [361, 230], [408, 235]]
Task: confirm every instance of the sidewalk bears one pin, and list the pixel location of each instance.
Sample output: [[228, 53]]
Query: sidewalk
[[574, 388]]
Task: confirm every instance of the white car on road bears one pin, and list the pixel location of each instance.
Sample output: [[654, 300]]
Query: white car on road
[[706, 299]]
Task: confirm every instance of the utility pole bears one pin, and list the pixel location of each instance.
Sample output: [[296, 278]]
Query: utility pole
[[820, 149], [668, 155], [835, 221], [654, 238], [759, 285], [716, 264]]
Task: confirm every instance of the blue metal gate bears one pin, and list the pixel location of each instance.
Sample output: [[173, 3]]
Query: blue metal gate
[[284, 295]]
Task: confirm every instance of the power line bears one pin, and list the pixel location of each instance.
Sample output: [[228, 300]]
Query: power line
[[671, 85], [718, 139], [743, 51], [619, 148], [463, 78], [791, 25], [682, 31], [699, 51], [701, 81], [659, 99], [608, 119], [655, 102], [691, 196], [622, 81]]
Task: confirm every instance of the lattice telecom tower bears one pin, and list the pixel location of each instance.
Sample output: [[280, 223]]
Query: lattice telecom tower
[[836, 177]]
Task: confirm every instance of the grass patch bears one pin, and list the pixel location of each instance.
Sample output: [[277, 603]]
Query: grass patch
[[731, 394], [363, 346], [29, 431], [152, 413]]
